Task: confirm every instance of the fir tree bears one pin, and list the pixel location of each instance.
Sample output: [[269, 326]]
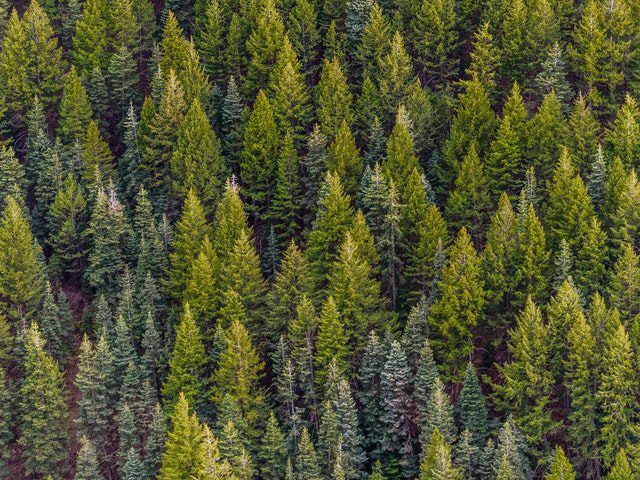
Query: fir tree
[[273, 452], [260, 149], [333, 98], [186, 367], [472, 409], [621, 467], [285, 210], [437, 462], [184, 451], [459, 309], [87, 461], [43, 413]]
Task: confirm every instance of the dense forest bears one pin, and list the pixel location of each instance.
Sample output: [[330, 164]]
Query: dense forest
[[319, 240]]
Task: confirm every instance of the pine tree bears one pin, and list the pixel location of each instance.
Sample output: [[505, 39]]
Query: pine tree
[[186, 367], [459, 309], [184, 452], [401, 159], [22, 272], [197, 162], [560, 468], [331, 343], [472, 409], [307, 466], [584, 132], [290, 95], [549, 128], [231, 125], [302, 30], [580, 379], [313, 171], [623, 139], [159, 138], [259, 152], [333, 98], [285, 210], [621, 468], [437, 415], [210, 40], [98, 162], [532, 258], [344, 159], [263, 45], [155, 444], [473, 121], [6, 435], [123, 77], [87, 462], [625, 282], [75, 109], [43, 413]]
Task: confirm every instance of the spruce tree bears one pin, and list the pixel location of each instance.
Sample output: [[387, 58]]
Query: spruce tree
[[87, 461], [285, 210], [6, 435], [459, 310], [621, 467], [437, 460], [22, 272], [273, 452], [472, 409], [333, 98], [184, 451], [186, 366], [197, 162], [43, 413], [259, 152]]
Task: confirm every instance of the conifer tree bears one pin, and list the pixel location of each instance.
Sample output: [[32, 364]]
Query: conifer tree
[[191, 230], [285, 210], [109, 229], [333, 98], [31, 62], [313, 168], [68, 226], [401, 159], [265, 40], [302, 30], [624, 283], [184, 452], [159, 138], [436, 41], [459, 309], [616, 395], [334, 217], [186, 366], [290, 95], [90, 42], [580, 368], [307, 466], [526, 390], [553, 74], [236, 378], [356, 292], [621, 467], [22, 271], [273, 452], [98, 162], [437, 460], [396, 407], [75, 109], [437, 415], [344, 159], [6, 435], [584, 132], [231, 124], [43, 413], [259, 152], [87, 461], [473, 121], [472, 409], [155, 443], [210, 40], [197, 162], [532, 258], [468, 202]]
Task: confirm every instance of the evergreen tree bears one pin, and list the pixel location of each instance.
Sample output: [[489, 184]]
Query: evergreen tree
[[186, 367], [472, 409], [302, 30], [109, 229], [273, 452], [459, 309], [331, 344], [616, 395], [43, 413], [236, 378], [333, 98], [285, 210], [560, 468], [437, 461], [396, 420], [22, 272], [621, 467], [87, 461], [6, 435], [260, 149], [197, 162], [184, 452], [307, 466], [75, 109]]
